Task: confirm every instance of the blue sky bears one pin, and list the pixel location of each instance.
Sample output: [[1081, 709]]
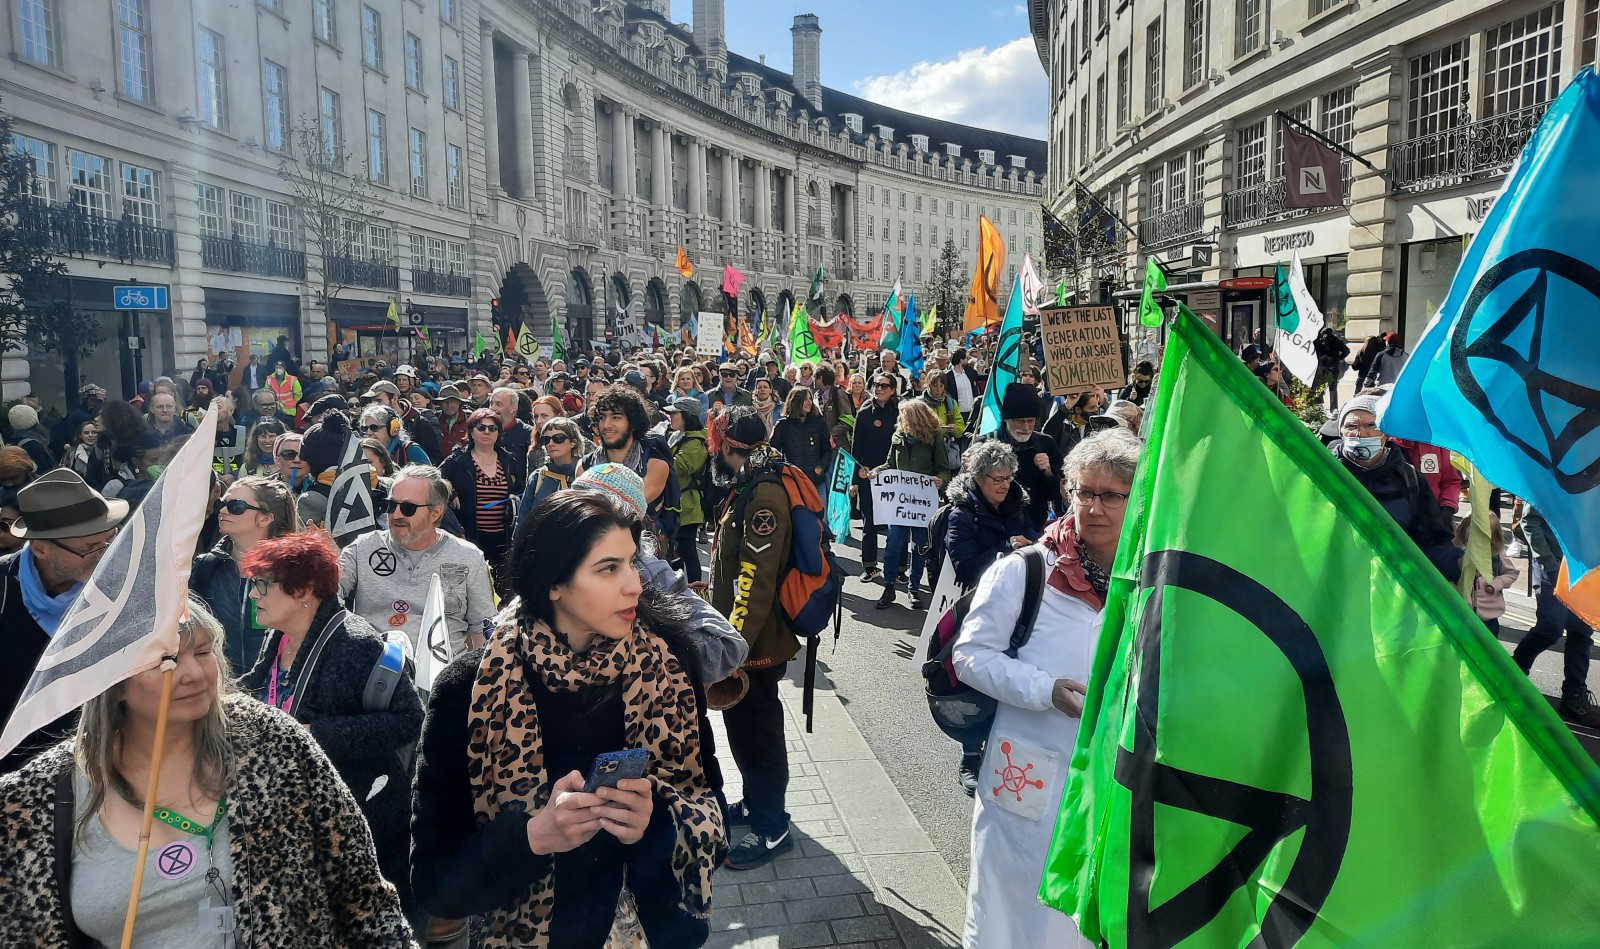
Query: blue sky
[[959, 61]]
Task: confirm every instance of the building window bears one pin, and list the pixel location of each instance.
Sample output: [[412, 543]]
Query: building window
[[371, 38], [133, 49], [1156, 189], [1437, 87], [43, 156], [1323, 6], [323, 25], [276, 6], [330, 128], [871, 261], [1302, 114], [1155, 92], [1250, 154], [916, 234], [458, 258], [1083, 130], [1591, 31], [279, 224], [377, 147], [901, 272], [872, 193], [435, 255], [275, 86], [447, 11], [1522, 63], [966, 238], [917, 269], [1102, 113], [455, 176], [141, 194], [213, 81], [1197, 172], [871, 233], [902, 200], [419, 250], [1339, 115], [917, 204], [1194, 42], [413, 62], [208, 201], [452, 83], [902, 232], [88, 182], [355, 239], [933, 237], [244, 213], [419, 163], [379, 243], [36, 29], [1246, 27], [1124, 87]]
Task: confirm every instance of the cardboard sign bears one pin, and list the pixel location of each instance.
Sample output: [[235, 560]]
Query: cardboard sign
[[1081, 349], [709, 340], [904, 497]]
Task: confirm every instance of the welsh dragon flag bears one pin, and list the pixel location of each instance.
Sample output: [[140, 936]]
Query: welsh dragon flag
[[1297, 734]]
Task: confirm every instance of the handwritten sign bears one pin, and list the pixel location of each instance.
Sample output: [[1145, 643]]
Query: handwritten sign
[[1081, 350], [709, 340], [904, 497]]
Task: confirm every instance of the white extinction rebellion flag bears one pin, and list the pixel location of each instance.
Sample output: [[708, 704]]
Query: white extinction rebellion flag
[[1299, 321], [350, 509], [125, 620]]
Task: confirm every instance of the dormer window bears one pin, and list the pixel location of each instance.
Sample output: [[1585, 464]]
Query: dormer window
[[919, 142], [884, 132], [986, 155], [952, 149], [854, 122], [1018, 161]]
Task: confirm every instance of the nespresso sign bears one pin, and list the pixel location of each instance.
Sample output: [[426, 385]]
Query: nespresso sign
[[1275, 244]]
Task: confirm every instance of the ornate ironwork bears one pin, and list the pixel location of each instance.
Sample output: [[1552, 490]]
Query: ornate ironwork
[[585, 236], [1468, 152], [578, 168], [363, 273], [242, 256], [1173, 226], [444, 284], [69, 229], [1263, 203]]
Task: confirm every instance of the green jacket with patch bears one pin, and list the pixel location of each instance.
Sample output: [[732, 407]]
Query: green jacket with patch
[[748, 562]]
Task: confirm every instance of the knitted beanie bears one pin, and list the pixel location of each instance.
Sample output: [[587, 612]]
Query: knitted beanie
[[324, 443], [1020, 401], [616, 482], [23, 417], [1360, 403]]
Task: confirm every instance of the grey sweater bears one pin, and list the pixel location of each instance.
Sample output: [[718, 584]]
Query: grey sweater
[[388, 585]]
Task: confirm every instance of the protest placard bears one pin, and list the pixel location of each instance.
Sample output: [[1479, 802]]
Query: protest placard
[[1081, 349], [709, 340], [904, 497]]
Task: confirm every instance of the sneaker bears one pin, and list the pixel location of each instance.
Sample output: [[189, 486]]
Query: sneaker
[[870, 573], [969, 773], [919, 600], [887, 599], [735, 814], [757, 850], [1516, 550], [1579, 709]]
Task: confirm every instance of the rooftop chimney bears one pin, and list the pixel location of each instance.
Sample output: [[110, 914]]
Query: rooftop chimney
[[808, 57], [710, 35]]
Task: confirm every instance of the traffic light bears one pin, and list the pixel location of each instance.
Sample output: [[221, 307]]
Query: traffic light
[[494, 309]]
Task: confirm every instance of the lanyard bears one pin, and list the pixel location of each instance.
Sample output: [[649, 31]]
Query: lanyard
[[272, 682], [172, 818]]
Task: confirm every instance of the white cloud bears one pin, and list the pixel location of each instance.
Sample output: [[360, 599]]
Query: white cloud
[[1003, 89]]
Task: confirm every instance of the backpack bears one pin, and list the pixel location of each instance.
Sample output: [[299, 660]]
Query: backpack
[[960, 710], [933, 554]]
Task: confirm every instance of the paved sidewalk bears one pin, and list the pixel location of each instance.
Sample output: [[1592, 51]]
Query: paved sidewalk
[[863, 873]]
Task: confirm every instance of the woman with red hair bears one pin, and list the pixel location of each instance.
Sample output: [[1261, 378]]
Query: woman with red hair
[[315, 666]]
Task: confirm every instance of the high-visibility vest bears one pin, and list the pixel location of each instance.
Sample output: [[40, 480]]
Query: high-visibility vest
[[286, 391]]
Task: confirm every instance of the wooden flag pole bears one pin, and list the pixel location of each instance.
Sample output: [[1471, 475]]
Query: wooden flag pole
[[168, 667]]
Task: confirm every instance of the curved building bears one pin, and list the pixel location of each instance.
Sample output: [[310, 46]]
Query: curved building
[[1173, 113], [293, 167]]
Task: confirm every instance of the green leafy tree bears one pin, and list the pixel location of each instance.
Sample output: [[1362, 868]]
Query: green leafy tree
[[948, 288], [35, 299]]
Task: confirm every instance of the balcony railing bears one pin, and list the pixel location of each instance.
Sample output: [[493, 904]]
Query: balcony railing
[[813, 229], [578, 168], [242, 256], [69, 229], [363, 273], [1263, 203], [1465, 153], [444, 284], [1173, 226], [584, 236]]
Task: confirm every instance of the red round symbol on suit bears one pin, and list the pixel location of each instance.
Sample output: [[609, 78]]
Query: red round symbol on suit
[[763, 523], [877, 423], [397, 620]]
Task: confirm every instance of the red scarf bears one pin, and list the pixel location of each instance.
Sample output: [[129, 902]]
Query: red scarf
[[1067, 576]]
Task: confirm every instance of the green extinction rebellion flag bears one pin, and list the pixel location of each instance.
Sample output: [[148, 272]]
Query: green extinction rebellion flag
[[1296, 734]]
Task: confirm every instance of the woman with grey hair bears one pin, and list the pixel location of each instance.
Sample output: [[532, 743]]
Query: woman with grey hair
[[271, 869], [380, 422], [1039, 691]]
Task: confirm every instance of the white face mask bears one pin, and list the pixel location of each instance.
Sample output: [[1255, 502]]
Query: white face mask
[[1359, 448]]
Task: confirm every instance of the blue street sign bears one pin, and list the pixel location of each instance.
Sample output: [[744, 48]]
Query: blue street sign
[[140, 297]]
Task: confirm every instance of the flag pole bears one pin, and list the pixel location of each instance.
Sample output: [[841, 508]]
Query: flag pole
[[168, 667]]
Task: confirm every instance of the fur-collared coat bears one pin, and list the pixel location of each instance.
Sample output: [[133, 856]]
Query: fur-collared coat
[[304, 865]]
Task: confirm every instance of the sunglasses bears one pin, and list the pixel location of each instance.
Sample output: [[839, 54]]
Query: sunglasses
[[260, 585], [486, 428], [408, 508], [373, 428], [289, 455], [238, 506], [559, 438]]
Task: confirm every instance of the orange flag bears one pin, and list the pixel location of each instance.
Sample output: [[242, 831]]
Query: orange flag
[[983, 300], [1584, 599], [684, 267]]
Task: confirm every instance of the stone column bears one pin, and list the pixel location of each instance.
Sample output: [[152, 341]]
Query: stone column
[[661, 151], [791, 214], [621, 154], [1374, 238], [491, 108], [762, 196], [1219, 171], [847, 221], [522, 113], [730, 188], [697, 179], [187, 295]]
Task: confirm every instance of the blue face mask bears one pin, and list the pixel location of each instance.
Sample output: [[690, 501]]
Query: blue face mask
[[1358, 448]]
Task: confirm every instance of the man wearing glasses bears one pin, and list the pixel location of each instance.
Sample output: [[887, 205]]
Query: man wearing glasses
[[66, 526], [873, 432], [384, 575], [729, 393]]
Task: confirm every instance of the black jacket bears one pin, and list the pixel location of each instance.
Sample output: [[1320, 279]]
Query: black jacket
[[514, 441], [1405, 495], [367, 749], [978, 533], [874, 431], [804, 444], [216, 579], [462, 474], [25, 642], [1043, 489]]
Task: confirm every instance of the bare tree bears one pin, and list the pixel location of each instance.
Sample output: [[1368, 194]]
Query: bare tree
[[335, 204]]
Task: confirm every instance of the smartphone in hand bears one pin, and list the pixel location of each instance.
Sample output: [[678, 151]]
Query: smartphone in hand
[[614, 766]]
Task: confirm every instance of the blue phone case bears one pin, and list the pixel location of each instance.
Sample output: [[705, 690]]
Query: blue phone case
[[613, 766]]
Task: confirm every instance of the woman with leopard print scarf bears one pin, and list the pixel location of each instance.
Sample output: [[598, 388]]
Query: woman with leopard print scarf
[[584, 662]]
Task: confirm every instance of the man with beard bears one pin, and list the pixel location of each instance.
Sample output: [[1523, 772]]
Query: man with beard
[[516, 436], [1038, 456], [750, 557], [452, 421], [619, 419]]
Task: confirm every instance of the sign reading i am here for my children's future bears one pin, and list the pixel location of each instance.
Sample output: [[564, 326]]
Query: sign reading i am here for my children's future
[[1081, 349], [709, 340], [904, 497]]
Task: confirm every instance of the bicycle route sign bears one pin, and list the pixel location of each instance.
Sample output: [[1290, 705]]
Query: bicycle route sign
[[139, 297]]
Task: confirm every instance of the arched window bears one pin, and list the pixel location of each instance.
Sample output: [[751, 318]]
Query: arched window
[[655, 303], [580, 309], [688, 302]]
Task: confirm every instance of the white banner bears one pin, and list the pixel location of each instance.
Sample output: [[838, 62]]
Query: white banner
[[904, 497], [709, 340], [1295, 349]]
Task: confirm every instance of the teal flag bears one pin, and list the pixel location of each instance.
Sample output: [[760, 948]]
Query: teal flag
[[840, 478], [1007, 362], [910, 351], [1312, 741], [1508, 372], [1288, 317]]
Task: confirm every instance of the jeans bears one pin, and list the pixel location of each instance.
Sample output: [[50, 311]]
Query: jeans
[[1552, 618], [688, 552], [895, 549], [869, 528], [755, 736]]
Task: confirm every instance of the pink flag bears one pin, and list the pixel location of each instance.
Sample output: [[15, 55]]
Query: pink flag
[[732, 280], [1033, 289]]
